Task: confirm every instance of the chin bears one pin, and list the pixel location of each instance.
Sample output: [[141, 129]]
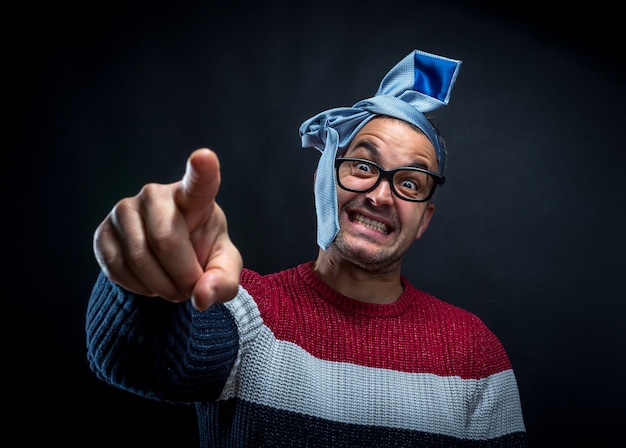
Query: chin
[[364, 252]]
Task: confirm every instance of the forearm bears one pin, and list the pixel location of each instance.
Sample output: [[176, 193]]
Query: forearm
[[158, 349]]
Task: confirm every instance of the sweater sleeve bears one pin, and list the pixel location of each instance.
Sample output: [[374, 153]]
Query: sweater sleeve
[[157, 349]]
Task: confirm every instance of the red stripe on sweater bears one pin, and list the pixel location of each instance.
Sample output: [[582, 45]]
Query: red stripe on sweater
[[418, 333]]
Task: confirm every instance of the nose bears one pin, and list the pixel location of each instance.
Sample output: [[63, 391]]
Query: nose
[[382, 194]]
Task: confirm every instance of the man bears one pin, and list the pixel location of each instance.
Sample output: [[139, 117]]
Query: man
[[340, 351]]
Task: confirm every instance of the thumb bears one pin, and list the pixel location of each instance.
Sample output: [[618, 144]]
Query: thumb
[[195, 195]]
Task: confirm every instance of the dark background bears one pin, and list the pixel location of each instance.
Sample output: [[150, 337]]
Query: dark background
[[529, 228]]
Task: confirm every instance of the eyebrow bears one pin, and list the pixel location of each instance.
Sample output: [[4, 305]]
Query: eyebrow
[[368, 146], [374, 152]]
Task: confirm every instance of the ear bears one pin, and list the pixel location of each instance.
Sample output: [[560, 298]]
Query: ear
[[426, 217]]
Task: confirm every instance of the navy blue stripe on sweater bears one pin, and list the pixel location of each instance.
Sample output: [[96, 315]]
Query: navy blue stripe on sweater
[[237, 423]]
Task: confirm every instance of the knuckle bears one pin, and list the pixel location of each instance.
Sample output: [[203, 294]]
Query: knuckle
[[150, 189], [164, 240]]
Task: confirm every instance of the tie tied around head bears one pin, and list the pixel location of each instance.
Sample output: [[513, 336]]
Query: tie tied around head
[[421, 82]]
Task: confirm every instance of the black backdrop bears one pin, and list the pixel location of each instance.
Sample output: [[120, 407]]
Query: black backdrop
[[528, 232]]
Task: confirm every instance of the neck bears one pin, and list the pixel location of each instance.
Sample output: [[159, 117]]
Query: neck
[[357, 282]]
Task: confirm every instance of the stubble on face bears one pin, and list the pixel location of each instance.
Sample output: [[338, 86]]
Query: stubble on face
[[359, 250], [381, 261]]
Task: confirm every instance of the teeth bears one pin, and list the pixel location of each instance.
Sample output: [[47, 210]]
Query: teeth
[[379, 226]]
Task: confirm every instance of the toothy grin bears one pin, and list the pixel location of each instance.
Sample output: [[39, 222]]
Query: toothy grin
[[375, 225]]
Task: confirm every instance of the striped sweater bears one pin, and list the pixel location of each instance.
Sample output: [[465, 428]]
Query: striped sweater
[[289, 362]]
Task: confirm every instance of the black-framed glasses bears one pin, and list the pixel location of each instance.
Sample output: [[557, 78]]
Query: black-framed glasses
[[408, 183]]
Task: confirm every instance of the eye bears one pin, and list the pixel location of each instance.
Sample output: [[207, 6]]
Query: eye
[[363, 167], [409, 185]]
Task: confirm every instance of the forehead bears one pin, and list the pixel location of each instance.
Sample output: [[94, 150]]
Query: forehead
[[393, 142]]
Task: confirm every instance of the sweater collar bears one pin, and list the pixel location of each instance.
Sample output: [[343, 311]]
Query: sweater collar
[[354, 306]]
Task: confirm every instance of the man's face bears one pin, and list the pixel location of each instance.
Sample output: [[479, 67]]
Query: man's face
[[377, 228]]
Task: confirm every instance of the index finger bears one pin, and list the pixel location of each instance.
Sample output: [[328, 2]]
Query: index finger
[[195, 195]]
